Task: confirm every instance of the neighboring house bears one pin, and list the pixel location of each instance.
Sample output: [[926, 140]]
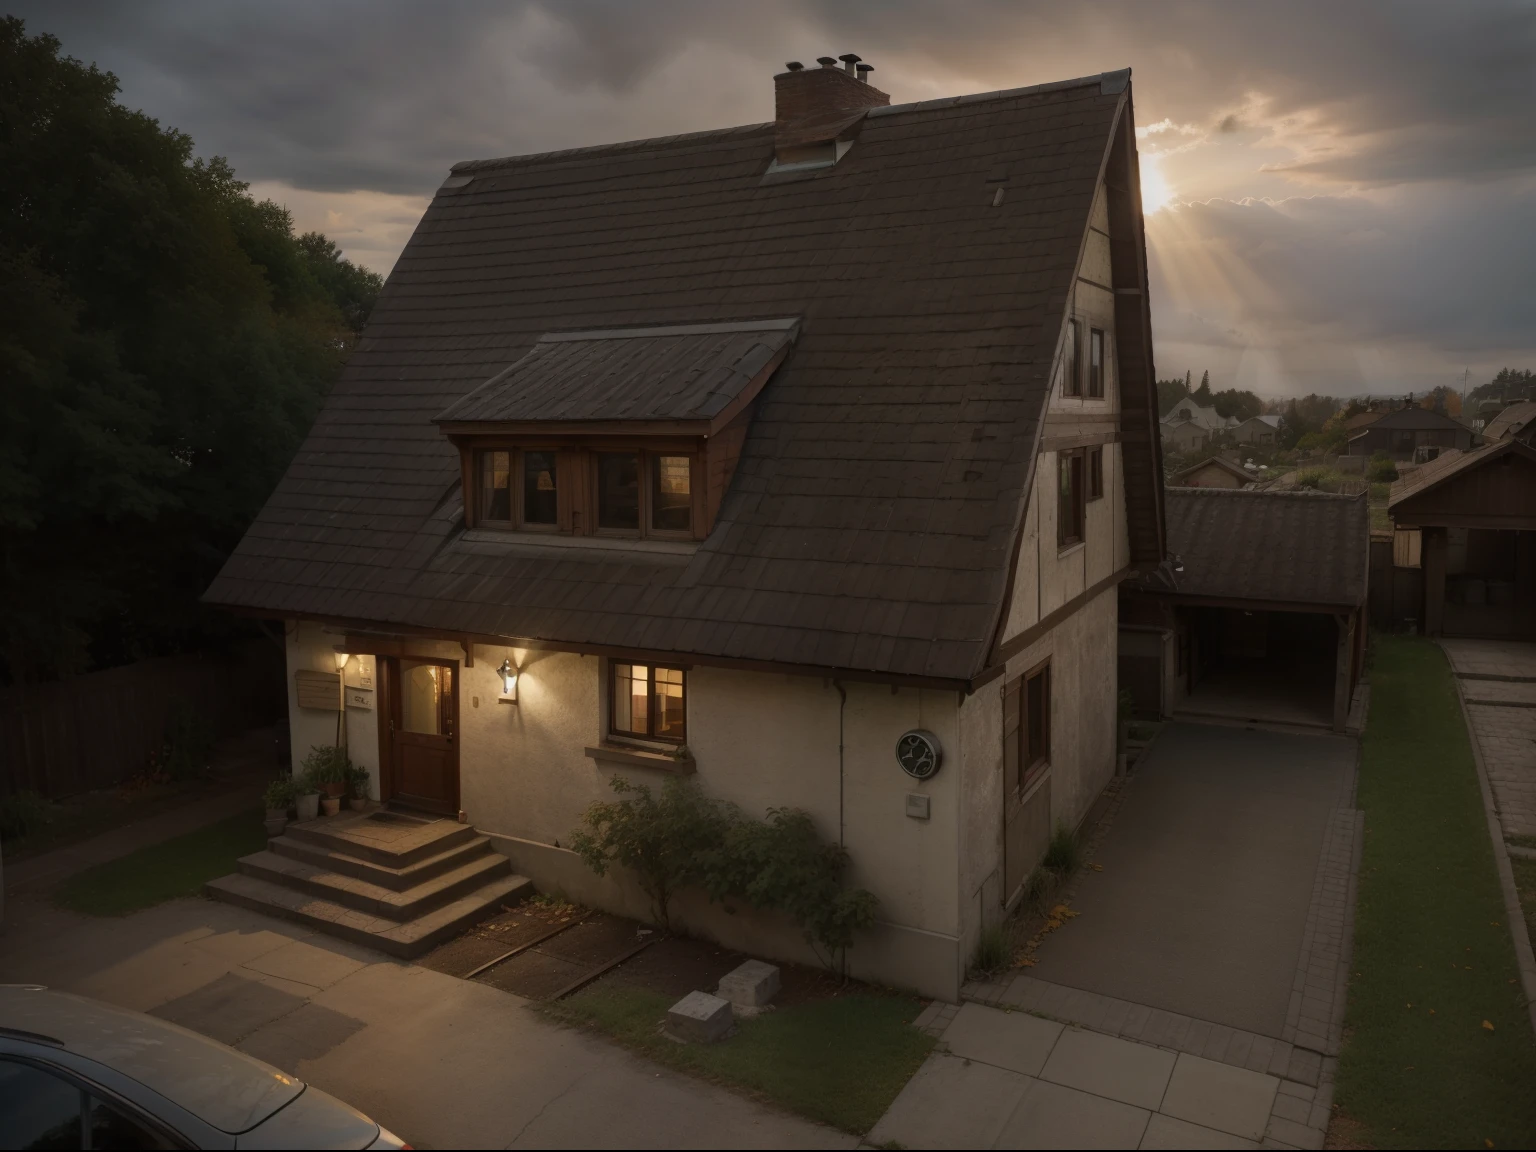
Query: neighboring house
[[1189, 425], [747, 455], [1464, 546], [1212, 473], [1258, 612], [1363, 419], [1517, 422], [1410, 433], [1183, 436], [1260, 430]]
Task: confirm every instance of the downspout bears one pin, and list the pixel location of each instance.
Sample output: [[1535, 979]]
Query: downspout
[[841, 706]]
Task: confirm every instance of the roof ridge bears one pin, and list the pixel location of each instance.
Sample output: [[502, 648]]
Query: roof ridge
[[1301, 493], [1108, 82]]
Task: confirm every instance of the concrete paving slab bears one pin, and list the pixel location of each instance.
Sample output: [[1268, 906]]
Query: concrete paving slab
[[1162, 924], [1013, 1040], [1167, 1132], [304, 1035], [1107, 1066], [241, 947], [1052, 1116], [309, 963], [1220, 1096], [951, 1103], [230, 1008]]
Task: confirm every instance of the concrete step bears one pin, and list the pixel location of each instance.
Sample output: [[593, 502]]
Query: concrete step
[[382, 837], [405, 941], [375, 899], [399, 879]]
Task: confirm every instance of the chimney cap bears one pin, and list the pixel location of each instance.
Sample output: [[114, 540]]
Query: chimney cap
[[794, 65], [864, 71], [850, 58], [825, 61]]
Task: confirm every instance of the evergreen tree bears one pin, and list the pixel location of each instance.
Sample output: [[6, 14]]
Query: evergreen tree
[[1203, 393]]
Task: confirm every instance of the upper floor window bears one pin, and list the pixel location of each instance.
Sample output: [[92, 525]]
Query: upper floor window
[[1095, 363], [639, 492], [1071, 376], [1069, 502]]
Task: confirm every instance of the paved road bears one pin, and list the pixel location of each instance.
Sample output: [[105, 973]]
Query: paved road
[[1208, 876], [442, 1062]]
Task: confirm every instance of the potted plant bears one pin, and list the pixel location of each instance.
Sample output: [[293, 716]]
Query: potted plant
[[306, 800], [279, 798], [327, 768], [357, 787]]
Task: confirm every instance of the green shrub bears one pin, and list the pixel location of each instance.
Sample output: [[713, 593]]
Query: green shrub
[[281, 794], [1381, 469], [1321, 479], [684, 837], [21, 813], [326, 764], [1064, 856], [358, 781]]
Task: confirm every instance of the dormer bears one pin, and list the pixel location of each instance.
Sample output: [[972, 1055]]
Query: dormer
[[615, 432]]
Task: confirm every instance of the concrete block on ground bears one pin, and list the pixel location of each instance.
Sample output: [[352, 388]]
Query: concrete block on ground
[[700, 1018], [752, 985], [1220, 1096]]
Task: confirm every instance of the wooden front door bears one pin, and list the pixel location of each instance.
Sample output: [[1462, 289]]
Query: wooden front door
[[424, 724]]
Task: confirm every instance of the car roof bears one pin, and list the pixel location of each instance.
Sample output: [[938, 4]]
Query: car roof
[[227, 1089]]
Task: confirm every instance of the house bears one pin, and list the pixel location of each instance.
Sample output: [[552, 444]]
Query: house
[[1258, 614], [1463, 557], [1189, 425], [1518, 421], [1212, 473], [1183, 435], [800, 458], [1261, 430], [1409, 433]]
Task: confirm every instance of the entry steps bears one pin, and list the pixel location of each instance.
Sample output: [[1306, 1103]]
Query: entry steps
[[401, 884]]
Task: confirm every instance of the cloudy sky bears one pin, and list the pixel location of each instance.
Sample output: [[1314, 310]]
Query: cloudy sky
[[1345, 192]]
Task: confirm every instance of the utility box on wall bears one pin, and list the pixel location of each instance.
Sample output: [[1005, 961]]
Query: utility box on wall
[[318, 689]]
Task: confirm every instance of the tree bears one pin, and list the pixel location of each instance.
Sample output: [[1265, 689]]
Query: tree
[[1307, 415], [166, 342], [1239, 405], [1169, 393], [1507, 384], [1202, 394]]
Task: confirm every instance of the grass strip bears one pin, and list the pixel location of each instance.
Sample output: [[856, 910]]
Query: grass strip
[[159, 872], [1525, 885], [1434, 958], [839, 1061]]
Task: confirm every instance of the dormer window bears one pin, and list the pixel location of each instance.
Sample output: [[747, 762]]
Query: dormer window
[[616, 432]]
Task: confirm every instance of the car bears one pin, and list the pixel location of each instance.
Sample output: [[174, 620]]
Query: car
[[77, 1073]]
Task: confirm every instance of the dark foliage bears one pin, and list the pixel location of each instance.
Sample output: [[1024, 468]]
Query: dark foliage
[[165, 343]]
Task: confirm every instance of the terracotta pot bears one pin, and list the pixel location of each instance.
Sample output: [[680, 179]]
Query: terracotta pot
[[330, 805], [357, 803], [336, 790], [308, 806]]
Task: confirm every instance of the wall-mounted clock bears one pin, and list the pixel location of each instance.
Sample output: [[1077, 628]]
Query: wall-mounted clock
[[919, 754]]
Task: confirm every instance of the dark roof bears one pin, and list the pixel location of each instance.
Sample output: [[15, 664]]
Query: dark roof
[[1414, 417], [1511, 420], [1293, 547], [880, 489], [1235, 469], [1449, 463], [687, 372]]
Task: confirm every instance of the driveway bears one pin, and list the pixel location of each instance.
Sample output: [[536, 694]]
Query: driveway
[[1196, 999], [1208, 876], [442, 1062]]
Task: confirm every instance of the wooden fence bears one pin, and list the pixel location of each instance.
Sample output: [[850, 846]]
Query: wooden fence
[[97, 730]]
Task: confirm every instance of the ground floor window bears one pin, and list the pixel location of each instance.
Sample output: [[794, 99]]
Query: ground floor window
[[648, 701], [1027, 726]]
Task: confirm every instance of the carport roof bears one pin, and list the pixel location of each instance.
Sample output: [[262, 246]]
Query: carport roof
[[1277, 548]]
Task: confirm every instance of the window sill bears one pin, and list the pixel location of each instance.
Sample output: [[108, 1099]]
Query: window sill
[[614, 756], [1068, 549]]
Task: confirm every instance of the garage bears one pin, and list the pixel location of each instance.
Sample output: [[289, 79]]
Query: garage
[[1258, 614]]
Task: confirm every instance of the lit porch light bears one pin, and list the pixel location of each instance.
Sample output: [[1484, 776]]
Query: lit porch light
[[508, 674]]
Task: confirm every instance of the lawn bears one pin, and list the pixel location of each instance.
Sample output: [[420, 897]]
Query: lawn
[[164, 871], [1438, 1047], [840, 1061], [1525, 884]]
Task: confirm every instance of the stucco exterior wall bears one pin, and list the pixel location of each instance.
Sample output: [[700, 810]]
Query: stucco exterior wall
[[313, 647]]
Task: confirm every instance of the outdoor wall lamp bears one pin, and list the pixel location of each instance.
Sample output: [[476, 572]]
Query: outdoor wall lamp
[[508, 674], [341, 660]]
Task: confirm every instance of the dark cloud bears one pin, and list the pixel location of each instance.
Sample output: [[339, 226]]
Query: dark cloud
[[1411, 120]]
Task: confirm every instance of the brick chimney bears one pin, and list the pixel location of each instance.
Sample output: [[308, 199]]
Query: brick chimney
[[816, 107]]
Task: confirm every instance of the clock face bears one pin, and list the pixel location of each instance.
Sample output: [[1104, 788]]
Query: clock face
[[918, 754]]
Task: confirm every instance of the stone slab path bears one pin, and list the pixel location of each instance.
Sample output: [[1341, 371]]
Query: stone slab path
[[1498, 682]]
